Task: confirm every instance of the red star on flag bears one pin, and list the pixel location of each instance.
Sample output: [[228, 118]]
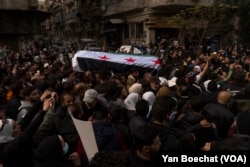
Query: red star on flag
[[157, 62], [131, 60], [104, 57]]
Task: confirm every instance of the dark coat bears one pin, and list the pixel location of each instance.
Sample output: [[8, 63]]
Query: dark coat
[[68, 131], [12, 107], [88, 112], [237, 142], [168, 141], [137, 161], [193, 89], [19, 153], [209, 96], [239, 103], [50, 154], [221, 116], [106, 136]]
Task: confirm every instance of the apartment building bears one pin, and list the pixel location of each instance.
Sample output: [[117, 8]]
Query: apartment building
[[116, 22], [65, 22], [20, 21], [144, 20]]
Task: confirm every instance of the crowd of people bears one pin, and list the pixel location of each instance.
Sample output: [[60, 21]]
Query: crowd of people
[[194, 102]]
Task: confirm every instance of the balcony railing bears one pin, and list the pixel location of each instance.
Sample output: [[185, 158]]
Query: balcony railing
[[33, 4], [125, 6], [69, 2], [70, 15], [161, 3], [15, 4], [71, 18]]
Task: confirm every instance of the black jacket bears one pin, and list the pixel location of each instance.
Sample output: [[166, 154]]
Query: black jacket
[[237, 142], [50, 154], [221, 116], [12, 107], [168, 141], [106, 136], [19, 153]]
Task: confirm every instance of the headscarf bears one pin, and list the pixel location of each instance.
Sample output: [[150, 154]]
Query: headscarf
[[149, 96], [131, 101], [198, 68]]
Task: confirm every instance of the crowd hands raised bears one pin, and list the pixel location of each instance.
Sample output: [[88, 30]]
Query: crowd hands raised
[[193, 102]]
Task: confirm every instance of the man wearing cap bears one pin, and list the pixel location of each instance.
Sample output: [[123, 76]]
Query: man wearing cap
[[90, 103], [154, 85]]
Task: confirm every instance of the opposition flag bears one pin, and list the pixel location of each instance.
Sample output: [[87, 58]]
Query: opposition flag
[[84, 60]]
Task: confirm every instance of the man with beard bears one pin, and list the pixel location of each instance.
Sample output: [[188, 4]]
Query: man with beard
[[154, 85], [31, 96], [66, 99], [90, 104], [147, 144], [132, 77]]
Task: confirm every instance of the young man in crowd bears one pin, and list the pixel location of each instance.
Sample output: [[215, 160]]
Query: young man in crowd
[[147, 143]]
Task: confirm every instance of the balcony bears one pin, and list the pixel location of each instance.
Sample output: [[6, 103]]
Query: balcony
[[58, 18], [33, 4], [71, 18], [12, 5], [164, 3], [177, 3], [69, 15], [218, 28], [124, 7], [158, 3], [69, 2], [95, 11]]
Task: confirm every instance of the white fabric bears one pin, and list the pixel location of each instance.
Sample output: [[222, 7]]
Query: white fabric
[[131, 101], [172, 82], [205, 83], [163, 80], [150, 98], [197, 79], [198, 68]]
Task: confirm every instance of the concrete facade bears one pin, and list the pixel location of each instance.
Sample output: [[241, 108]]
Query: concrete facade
[[115, 22], [20, 21]]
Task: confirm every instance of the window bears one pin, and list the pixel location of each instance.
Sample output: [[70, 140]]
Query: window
[[126, 31], [132, 27], [139, 30]]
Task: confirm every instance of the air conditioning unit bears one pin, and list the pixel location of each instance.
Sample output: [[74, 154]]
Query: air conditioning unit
[[103, 8]]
